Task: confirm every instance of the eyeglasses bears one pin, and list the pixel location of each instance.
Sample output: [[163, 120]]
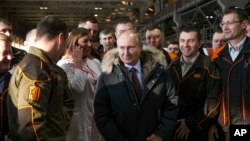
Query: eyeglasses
[[229, 23]]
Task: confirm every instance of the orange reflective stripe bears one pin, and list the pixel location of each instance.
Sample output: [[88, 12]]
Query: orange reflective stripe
[[243, 109], [216, 52], [223, 111], [172, 55]]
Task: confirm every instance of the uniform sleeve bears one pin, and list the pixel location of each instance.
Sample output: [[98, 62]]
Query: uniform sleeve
[[170, 113], [68, 103], [103, 114], [33, 97], [207, 114]]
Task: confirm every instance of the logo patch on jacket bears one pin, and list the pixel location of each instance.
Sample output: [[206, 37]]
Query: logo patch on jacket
[[34, 93], [197, 76]]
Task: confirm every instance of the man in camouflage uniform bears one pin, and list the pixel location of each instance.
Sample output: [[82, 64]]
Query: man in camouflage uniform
[[40, 103]]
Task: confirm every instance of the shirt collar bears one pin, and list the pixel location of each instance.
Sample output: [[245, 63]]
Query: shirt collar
[[238, 47], [137, 66], [191, 61]]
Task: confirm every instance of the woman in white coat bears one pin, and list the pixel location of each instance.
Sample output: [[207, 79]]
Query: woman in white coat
[[83, 74]]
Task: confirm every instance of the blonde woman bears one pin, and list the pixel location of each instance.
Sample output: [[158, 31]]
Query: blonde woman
[[83, 74]]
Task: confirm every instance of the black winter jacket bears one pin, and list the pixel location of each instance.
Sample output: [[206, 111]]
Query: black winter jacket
[[198, 93], [120, 116], [235, 81]]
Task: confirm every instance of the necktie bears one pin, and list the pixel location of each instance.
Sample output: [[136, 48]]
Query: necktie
[[136, 83]]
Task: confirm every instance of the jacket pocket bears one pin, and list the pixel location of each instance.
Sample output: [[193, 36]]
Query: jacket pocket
[[119, 118]]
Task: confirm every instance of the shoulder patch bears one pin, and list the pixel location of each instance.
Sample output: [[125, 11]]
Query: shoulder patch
[[34, 93]]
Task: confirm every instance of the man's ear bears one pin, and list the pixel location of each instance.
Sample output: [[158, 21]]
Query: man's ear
[[244, 24], [61, 38]]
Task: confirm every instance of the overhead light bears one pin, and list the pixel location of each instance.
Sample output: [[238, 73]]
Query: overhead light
[[146, 13], [124, 2], [98, 8], [43, 7], [122, 9], [209, 17], [150, 9], [107, 20], [96, 15]]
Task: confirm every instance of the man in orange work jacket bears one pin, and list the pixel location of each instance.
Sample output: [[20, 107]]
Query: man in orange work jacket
[[197, 81], [233, 62]]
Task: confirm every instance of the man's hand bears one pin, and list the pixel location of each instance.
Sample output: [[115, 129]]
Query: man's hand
[[213, 133], [154, 137], [183, 131]]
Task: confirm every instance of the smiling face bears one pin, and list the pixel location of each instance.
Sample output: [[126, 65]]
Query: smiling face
[[5, 56], [85, 43], [129, 48], [189, 44], [233, 27]]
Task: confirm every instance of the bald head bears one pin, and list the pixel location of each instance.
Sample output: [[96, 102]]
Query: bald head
[[30, 38]]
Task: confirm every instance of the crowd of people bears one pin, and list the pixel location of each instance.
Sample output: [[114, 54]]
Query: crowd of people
[[62, 88]]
